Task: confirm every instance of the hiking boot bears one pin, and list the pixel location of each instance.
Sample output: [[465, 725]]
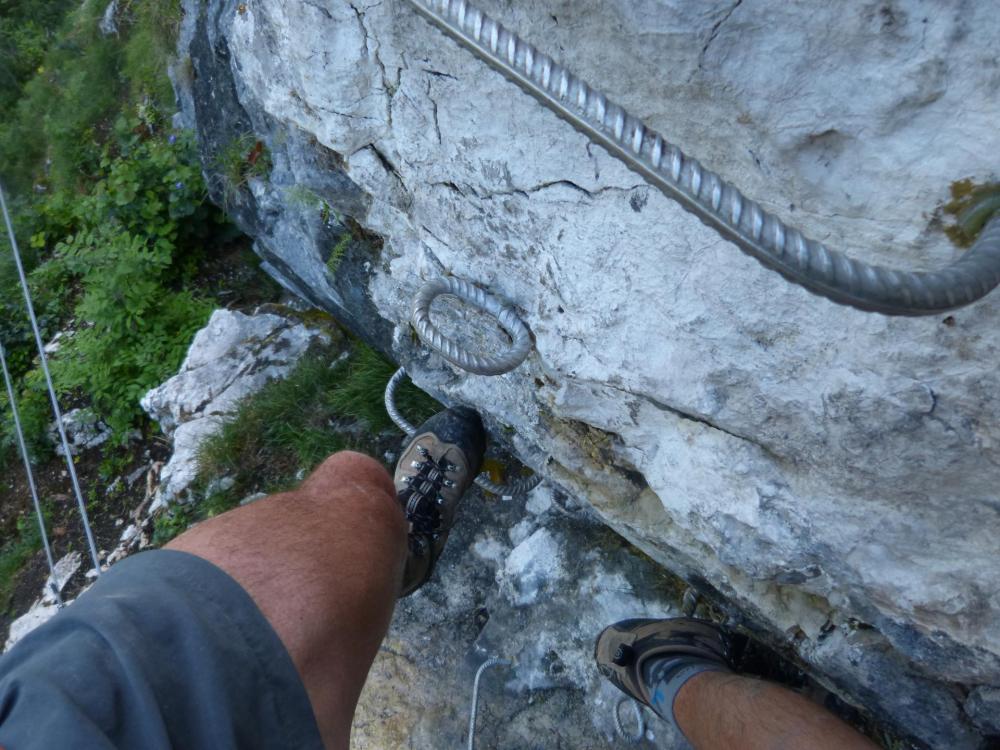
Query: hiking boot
[[629, 651], [437, 466]]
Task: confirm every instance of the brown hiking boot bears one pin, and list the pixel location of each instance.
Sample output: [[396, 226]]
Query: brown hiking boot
[[437, 466], [626, 650]]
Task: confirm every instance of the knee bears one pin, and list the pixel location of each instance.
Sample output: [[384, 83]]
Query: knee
[[353, 468]]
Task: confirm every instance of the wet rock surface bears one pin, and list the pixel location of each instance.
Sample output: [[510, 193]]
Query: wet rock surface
[[829, 475]]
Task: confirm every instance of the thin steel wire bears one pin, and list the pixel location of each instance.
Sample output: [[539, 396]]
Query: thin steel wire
[[714, 201], [505, 314], [81, 503], [516, 488], [493, 661], [30, 474]]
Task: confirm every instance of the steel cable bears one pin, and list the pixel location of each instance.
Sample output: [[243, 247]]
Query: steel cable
[[505, 315], [493, 661], [713, 200], [640, 719], [516, 488], [43, 360], [30, 474]]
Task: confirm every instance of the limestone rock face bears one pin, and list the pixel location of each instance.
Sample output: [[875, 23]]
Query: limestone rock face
[[233, 356], [829, 475]]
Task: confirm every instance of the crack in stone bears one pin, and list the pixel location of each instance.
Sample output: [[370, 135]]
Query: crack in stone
[[320, 8], [439, 74], [715, 32], [687, 416], [434, 113], [449, 185], [372, 51], [386, 164], [526, 192]]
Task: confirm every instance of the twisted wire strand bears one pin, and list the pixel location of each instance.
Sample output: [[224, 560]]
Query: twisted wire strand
[[57, 412], [714, 201], [505, 315], [493, 661], [54, 585], [516, 488], [640, 719]]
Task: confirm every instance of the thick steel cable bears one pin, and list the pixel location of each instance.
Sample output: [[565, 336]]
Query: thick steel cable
[[390, 403], [516, 488], [493, 661], [81, 503], [505, 314], [640, 719], [30, 474], [713, 200]]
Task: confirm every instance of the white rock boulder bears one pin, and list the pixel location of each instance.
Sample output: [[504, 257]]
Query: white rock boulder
[[233, 356]]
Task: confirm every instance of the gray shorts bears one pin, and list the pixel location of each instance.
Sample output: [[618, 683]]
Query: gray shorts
[[164, 651]]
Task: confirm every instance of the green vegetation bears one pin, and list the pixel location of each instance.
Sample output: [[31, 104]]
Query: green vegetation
[[243, 158], [972, 206], [337, 254], [15, 553], [291, 425], [110, 208]]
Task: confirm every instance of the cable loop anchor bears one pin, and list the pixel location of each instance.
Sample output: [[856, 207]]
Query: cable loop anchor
[[490, 663], [519, 486], [505, 315], [640, 718]]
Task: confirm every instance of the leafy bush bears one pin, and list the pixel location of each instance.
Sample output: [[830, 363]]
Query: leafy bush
[[26, 30], [131, 241], [53, 136]]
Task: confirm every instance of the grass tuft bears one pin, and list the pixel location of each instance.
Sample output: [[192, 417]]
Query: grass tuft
[[244, 158], [291, 425]]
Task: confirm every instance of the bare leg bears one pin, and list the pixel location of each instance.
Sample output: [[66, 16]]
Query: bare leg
[[717, 710], [324, 563]]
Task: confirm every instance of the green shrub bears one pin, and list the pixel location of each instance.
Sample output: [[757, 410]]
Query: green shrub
[[133, 239], [152, 31], [137, 329], [293, 424]]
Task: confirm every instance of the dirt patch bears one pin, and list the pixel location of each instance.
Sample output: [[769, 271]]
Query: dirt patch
[[104, 475]]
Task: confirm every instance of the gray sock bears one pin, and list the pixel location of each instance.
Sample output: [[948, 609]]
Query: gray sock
[[666, 676]]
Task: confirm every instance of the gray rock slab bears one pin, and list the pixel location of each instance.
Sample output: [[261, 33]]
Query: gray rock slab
[[582, 579], [829, 474]]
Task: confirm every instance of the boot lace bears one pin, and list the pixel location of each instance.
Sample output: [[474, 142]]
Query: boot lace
[[422, 499]]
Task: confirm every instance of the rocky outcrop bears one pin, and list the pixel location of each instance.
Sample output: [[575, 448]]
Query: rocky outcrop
[[530, 581], [233, 356], [47, 605], [84, 430], [828, 476]]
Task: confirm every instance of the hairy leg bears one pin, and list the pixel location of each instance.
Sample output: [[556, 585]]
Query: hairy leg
[[324, 563], [717, 710]]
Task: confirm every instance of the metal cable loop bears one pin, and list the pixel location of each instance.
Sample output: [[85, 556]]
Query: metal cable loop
[[31, 476], [640, 719], [516, 488], [714, 201], [493, 661], [505, 315], [390, 403], [57, 412]]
